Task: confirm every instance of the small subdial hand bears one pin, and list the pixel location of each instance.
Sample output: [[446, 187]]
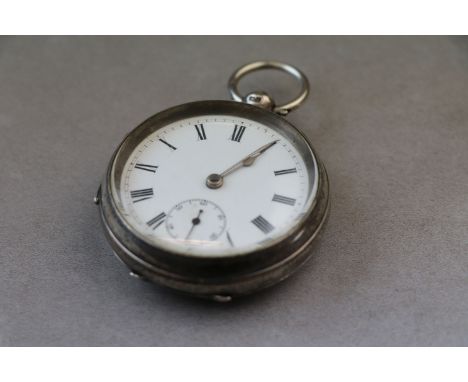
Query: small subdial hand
[[216, 180], [195, 221]]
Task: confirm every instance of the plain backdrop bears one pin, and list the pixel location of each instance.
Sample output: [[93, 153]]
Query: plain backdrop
[[388, 116]]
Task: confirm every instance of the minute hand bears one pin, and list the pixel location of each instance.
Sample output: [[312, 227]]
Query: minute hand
[[248, 160]]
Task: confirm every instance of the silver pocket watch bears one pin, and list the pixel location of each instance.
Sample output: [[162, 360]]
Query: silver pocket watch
[[216, 199]]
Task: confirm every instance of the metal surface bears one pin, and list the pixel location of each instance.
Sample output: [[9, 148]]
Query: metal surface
[[97, 197], [214, 181], [227, 276], [261, 99]]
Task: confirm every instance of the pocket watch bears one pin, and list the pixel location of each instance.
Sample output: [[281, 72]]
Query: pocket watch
[[216, 199]]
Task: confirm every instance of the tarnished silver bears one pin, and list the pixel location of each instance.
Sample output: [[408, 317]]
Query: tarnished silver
[[135, 275], [222, 298], [218, 277], [262, 99], [97, 197]]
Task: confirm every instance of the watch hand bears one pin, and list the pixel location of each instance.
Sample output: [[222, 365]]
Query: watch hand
[[248, 160], [216, 180], [195, 222]]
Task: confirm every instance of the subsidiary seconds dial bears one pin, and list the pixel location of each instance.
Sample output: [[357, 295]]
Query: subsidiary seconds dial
[[196, 220]]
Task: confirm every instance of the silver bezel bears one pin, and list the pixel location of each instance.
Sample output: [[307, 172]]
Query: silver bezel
[[236, 274]]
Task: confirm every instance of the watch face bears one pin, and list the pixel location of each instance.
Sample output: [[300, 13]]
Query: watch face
[[263, 182]]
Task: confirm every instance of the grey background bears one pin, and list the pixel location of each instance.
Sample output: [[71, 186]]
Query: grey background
[[388, 115]]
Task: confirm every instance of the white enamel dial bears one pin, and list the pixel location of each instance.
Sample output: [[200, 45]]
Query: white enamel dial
[[163, 193]]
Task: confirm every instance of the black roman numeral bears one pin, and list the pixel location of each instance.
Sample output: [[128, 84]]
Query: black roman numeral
[[237, 133], [157, 221], [168, 144], [262, 224], [201, 132], [146, 167], [288, 171], [140, 195], [229, 239], [284, 199]]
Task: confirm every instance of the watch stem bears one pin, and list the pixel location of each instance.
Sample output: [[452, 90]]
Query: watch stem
[[260, 99]]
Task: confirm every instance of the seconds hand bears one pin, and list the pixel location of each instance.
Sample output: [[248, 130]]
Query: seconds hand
[[195, 221]]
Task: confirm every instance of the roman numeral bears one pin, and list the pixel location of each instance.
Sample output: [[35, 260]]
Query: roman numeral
[[229, 239], [140, 195], [262, 224], [288, 171], [146, 167], [157, 221], [168, 144], [284, 199], [201, 132], [237, 133]]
